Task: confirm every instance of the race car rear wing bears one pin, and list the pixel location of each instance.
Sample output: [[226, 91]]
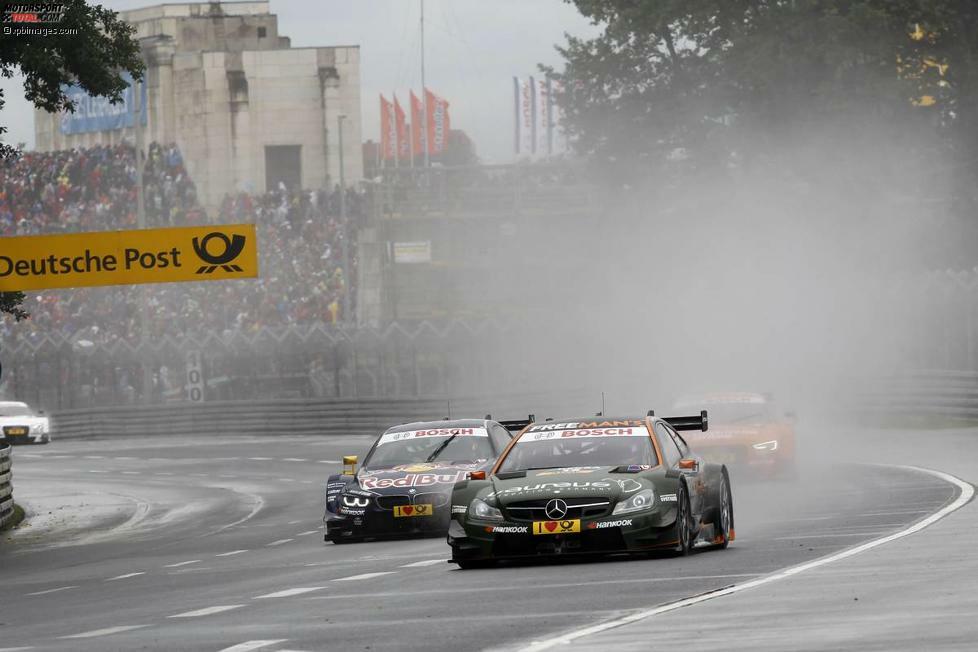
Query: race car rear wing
[[518, 424], [689, 423]]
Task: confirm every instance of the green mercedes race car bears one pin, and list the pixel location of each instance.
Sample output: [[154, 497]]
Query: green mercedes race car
[[597, 485]]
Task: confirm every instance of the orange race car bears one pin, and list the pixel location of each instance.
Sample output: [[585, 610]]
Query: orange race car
[[746, 432]]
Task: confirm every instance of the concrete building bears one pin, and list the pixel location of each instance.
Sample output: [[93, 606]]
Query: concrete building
[[247, 110]]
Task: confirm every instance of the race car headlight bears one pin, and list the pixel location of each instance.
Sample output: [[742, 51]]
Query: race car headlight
[[482, 509], [355, 501], [767, 445], [638, 502]]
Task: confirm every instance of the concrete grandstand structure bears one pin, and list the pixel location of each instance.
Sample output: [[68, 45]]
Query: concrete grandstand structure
[[220, 80]]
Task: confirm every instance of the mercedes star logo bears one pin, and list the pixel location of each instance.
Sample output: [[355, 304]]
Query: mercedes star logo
[[556, 509]]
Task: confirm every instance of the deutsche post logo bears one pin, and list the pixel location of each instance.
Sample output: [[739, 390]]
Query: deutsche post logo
[[232, 249]]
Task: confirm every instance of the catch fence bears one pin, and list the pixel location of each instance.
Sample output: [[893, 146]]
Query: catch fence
[[319, 361]]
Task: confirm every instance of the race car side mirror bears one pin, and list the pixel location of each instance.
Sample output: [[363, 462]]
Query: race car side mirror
[[350, 464], [477, 475], [688, 465]]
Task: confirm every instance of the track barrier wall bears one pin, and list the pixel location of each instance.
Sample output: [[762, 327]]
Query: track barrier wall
[[931, 393], [365, 416], [6, 484]]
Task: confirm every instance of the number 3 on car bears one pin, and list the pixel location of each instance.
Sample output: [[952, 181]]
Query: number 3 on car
[[557, 527]]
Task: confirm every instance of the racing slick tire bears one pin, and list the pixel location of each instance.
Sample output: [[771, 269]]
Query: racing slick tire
[[684, 533], [724, 516]]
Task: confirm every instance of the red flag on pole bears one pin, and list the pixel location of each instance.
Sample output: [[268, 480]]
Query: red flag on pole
[[417, 120], [439, 122], [401, 127], [388, 135]]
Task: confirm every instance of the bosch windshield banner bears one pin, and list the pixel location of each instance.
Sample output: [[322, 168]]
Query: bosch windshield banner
[[196, 253]]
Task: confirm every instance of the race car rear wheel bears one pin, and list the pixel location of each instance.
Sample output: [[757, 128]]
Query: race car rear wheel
[[684, 533], [721, 527]]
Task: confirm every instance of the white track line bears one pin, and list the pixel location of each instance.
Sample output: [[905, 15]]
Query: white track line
[[288, 593], [207, 611], [126, 576], [307, 533], [15, 649], [967, 493], [182, 563], [424, 562], [60, 588], [105, 632], [230, 554], [248, 646], [364, 576], [278, 543]]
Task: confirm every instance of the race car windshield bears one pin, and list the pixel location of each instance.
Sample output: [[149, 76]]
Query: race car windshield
[[416, 447], [559, 452], [15, 411]]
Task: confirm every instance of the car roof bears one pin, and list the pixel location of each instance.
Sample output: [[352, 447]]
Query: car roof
[[432, 425], [4, 404]]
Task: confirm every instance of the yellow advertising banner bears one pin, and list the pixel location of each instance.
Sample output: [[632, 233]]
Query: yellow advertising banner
[[195, 253]]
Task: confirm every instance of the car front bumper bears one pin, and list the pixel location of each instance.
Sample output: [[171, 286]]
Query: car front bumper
[[375, 523], [477, 541]]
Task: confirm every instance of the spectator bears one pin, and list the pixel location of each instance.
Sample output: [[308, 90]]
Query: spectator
[[301, 242]]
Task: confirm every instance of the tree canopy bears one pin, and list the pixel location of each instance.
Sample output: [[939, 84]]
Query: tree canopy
[[675, 86], [94, 56]]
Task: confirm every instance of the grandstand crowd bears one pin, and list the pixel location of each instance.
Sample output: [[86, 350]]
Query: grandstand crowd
[[300, 233]]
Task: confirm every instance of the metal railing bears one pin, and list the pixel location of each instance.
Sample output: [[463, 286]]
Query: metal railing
[[484, 190], [6, 484]]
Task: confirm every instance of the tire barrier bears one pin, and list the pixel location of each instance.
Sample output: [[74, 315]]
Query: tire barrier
[[932, 393], [6, 484]]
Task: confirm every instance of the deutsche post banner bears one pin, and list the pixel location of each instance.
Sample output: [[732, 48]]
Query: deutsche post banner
[[195, 253]]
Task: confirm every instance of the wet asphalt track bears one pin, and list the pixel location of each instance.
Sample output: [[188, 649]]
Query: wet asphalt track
[[179, 544]]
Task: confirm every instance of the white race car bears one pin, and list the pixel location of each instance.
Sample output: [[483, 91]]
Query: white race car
[[19, 424]]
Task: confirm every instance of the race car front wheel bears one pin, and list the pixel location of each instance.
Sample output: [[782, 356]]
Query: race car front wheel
[[684, 533]]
